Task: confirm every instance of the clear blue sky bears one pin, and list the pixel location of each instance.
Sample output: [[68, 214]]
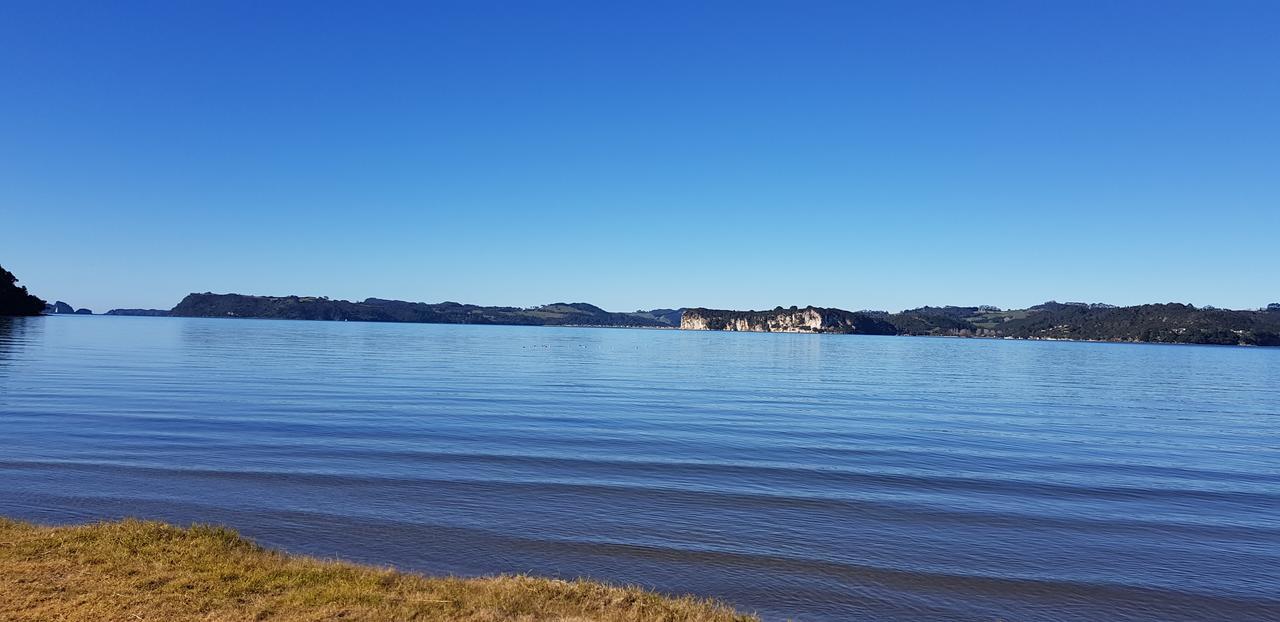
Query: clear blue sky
[[643, 154]]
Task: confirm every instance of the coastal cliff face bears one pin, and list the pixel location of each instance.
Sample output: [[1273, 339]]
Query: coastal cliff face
[[1157, 323], [794, 320]]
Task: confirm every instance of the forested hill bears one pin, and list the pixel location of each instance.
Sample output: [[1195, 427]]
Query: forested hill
[[15, 299], [381, 310], [1157, 323]]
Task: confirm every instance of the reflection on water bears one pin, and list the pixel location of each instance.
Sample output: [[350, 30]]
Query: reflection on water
[[15, 333], [807, 477]]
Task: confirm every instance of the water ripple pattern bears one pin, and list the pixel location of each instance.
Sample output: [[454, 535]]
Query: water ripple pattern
[[805, 477]]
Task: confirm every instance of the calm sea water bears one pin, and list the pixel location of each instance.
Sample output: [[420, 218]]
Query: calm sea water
[[801, 476]]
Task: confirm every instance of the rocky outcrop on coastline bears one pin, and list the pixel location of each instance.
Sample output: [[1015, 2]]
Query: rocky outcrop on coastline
[[58, 307], [793, 320], [1153, 323], [62, 308]]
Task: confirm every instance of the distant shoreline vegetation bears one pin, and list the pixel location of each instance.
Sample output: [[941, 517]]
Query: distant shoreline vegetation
[[1076, 321], [382, 310]]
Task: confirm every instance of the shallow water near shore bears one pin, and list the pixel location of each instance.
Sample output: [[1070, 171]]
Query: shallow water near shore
[[810, 477]]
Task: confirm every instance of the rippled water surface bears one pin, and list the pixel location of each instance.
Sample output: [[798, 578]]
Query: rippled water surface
[[801, 476]]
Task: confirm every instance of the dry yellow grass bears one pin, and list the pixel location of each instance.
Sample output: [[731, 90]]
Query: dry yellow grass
[[135, 570]]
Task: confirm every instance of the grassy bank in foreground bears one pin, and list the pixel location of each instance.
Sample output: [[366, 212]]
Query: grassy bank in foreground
[[134, 570]]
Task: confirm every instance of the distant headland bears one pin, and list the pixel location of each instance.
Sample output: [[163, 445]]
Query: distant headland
[[1154, 323], [1078, 321], [382, 310], [15, 299]]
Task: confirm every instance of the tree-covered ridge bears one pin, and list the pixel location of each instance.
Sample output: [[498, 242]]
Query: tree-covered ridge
[[15, 299], [381, 310], [1155, 323]]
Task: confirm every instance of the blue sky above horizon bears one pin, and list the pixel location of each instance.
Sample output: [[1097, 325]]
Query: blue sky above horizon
[[637, 155]]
